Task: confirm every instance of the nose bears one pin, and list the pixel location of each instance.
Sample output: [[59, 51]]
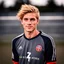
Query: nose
[[29, 22]]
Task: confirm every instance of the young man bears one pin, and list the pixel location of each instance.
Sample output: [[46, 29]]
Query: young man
[[33, 46]]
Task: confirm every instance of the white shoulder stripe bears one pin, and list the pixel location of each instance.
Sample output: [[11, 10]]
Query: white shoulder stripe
[[19, 36], [53, 44], [44, 34]]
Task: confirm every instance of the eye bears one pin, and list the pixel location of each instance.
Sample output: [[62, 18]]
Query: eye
[[32, 19]]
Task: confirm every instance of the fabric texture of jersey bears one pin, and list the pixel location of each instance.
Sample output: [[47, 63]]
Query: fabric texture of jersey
[[37, 50]]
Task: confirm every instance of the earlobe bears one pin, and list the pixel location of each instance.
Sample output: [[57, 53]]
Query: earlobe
[[38, 21], [21, 21], [18, 18]]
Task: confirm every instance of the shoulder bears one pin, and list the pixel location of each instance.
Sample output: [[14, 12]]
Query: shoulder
[[46, 35], [47, 38], [17, 37]]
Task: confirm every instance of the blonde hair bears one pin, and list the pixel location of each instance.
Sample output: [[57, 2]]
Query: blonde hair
[[28, 9]]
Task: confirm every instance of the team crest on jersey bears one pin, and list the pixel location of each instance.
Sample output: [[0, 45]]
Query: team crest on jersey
[[38, 48]]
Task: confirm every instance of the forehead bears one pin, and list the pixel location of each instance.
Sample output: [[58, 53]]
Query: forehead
[[30, 15]]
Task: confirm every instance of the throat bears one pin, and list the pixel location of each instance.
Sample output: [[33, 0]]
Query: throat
[[31, 34]]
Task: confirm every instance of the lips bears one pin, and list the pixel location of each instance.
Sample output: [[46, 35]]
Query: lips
[[29, 26]]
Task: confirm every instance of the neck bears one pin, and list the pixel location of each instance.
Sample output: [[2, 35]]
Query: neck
[[31, 34]]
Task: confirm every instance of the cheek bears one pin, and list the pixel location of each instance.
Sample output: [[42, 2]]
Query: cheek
[[36, 23], [24, 25]]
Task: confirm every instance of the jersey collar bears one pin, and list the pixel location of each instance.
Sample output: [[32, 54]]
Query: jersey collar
[[33, 37]]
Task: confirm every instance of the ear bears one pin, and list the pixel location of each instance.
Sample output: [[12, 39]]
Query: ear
[[18, 18], [21, 22], [37, 21]]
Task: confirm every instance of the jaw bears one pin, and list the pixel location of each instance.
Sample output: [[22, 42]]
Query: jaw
[[29, 30]]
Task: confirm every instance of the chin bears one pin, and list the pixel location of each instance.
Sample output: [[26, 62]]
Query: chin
[[29, 30]]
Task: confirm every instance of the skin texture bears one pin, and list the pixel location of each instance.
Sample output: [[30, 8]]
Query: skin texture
[[30, 23]]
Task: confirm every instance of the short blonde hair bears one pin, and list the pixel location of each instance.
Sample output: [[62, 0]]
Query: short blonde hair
[[28, 9]]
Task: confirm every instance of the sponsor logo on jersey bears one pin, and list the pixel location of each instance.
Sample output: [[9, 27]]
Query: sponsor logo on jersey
[[28, 57], [38, 48]]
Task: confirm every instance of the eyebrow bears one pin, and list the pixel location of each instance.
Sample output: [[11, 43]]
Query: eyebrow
[[32, 19], [29, 18]]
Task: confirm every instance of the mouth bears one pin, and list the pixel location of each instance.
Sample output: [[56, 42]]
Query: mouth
[[29, 26]]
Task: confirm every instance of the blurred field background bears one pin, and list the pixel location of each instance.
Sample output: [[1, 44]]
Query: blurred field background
[[51, 22]]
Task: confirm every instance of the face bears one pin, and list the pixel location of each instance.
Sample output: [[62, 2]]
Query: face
[[29, 22]]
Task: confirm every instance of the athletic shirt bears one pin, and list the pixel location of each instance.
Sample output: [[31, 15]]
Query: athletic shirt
[[37, 50]]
